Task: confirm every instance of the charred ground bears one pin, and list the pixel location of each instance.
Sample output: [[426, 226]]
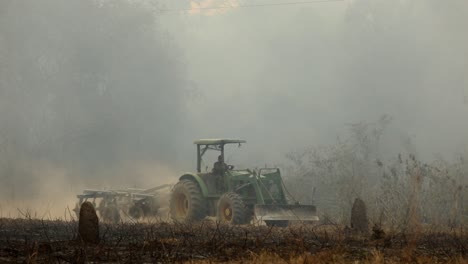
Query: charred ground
[[41, 241]]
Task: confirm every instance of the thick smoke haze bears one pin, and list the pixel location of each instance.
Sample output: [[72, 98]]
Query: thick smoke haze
[[88, 89], [112, 93], [287, 76]]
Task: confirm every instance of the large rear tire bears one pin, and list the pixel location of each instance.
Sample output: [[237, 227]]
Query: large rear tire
[[232, 210], [187, 203]]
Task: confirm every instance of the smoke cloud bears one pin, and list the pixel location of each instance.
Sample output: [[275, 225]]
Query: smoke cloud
[[107, 93], [88, 88], [286, 76]]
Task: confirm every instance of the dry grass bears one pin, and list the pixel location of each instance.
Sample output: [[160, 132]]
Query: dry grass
[[327, 257]]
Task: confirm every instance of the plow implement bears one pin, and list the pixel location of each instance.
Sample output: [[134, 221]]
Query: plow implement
[[113, 205]]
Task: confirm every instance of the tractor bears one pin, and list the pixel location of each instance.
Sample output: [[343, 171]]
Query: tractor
[[235, 196]]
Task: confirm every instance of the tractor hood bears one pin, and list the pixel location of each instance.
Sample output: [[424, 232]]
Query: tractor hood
[[262, 173], [240, 172]]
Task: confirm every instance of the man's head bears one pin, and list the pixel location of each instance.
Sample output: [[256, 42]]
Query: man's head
[[220, 158]]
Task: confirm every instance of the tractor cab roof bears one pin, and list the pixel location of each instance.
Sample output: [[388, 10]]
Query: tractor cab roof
[[218, 141]]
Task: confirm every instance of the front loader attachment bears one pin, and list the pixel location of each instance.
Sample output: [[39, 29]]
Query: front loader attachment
[[285, 212]]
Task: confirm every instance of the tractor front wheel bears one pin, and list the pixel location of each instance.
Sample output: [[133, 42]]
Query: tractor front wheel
[[187, 203], [231, 209]]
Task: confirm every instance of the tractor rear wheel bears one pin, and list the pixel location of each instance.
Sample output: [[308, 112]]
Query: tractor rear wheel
[[187, 203], [232, 210]]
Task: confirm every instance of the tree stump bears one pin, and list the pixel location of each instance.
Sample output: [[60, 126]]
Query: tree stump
[[359, 221], [88, 227]]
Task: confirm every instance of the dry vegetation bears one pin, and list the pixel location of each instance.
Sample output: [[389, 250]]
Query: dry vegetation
[[36, 241], [399, 190]]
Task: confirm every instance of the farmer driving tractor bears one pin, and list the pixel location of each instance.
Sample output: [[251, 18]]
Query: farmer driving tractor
[[219, 167]]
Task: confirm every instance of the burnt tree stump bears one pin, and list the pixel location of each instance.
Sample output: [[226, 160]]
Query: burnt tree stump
[[88, 226], [359, 221]]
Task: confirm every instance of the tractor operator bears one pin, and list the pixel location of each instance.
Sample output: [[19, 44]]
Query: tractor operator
[[220, 167]]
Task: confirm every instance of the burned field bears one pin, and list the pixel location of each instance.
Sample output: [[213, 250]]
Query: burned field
[[37, 241]]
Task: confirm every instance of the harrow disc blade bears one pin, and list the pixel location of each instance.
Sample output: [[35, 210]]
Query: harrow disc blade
[[289, 212]]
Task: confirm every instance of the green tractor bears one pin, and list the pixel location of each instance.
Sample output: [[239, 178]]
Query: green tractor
[[234, 196]]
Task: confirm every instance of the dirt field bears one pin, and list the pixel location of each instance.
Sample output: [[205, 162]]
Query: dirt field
[[36, 241]]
